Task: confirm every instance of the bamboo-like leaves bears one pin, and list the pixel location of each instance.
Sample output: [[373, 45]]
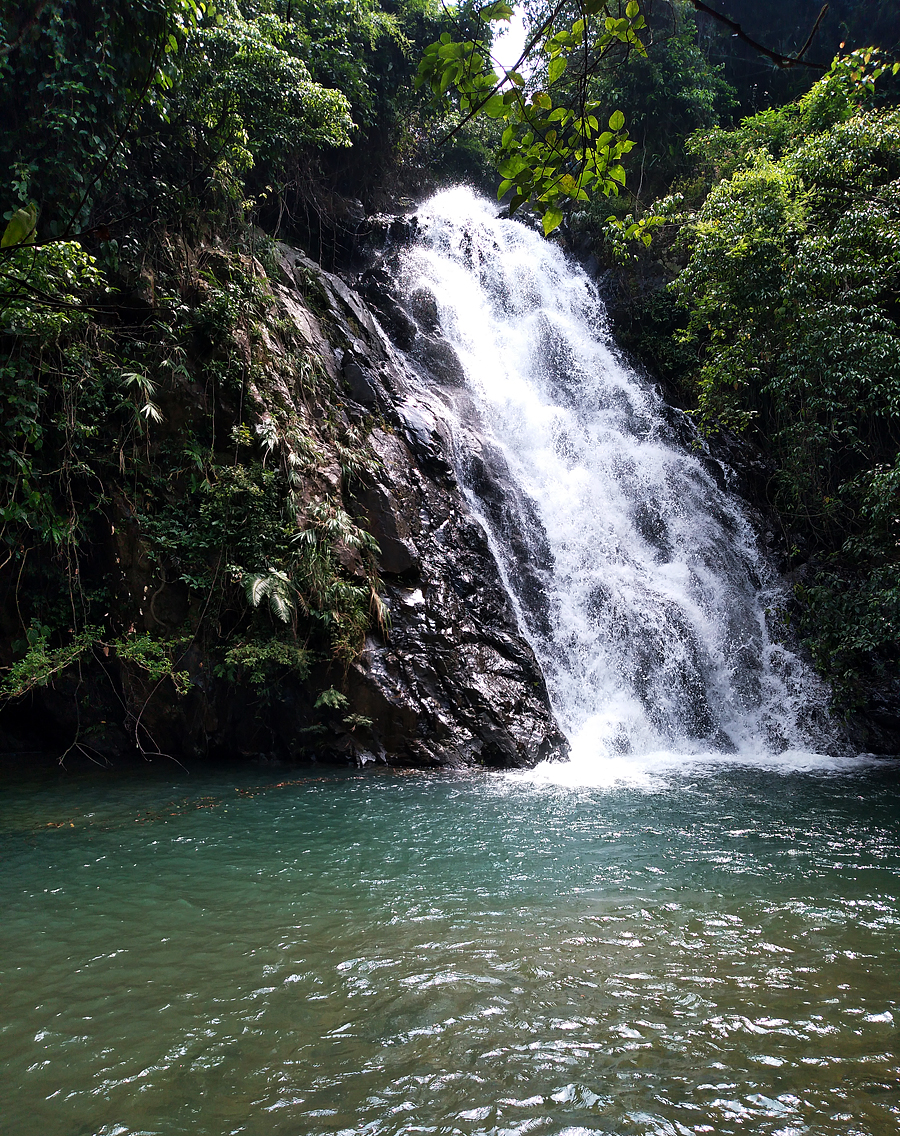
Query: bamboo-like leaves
[[144, 388]]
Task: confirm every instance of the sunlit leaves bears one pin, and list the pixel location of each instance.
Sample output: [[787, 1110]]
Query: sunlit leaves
[[500, 10], [556, 67], [21, 227], [552, 150], [42, 288], [552, 219]]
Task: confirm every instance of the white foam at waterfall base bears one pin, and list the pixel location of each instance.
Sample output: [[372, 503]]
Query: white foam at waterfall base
[[664, 770], [659, 629]]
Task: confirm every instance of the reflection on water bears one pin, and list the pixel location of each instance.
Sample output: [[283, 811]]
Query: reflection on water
[[710, 952]]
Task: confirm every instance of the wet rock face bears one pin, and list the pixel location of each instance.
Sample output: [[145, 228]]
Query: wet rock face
[[455, 682]]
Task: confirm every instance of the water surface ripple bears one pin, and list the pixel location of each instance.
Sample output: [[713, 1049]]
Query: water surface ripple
[[452, 954]]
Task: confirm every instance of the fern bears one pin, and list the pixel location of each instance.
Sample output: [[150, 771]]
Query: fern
[[274, 586], [331, 698]]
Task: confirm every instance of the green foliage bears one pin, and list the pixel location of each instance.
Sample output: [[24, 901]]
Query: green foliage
[[41, 663], [135, 109], [356, 47], [666, 95], [553, 150], [108, 428], [850, 86], [237, 515], [42, 289], [74, 88], [251, 94], [138, 140], [792, 289], [264, 662], [333, 699], [154, 657], [345, 609]]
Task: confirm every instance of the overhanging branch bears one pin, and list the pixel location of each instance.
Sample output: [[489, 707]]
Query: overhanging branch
[[785, 62]]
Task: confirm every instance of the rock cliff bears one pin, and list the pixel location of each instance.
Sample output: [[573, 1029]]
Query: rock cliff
[[453, 681], [445, 676]]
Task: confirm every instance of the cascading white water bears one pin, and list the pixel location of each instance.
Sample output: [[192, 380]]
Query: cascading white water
[[654, 633]]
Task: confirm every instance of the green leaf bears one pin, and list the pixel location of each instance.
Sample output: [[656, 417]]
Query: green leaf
[[616, 120], [499, 10], [447, 76], [552, 219], [20, 230], [556, 68], [632, 9], [512, 166]]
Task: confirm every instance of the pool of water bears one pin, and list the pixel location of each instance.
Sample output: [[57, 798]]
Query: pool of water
[[707, 950]]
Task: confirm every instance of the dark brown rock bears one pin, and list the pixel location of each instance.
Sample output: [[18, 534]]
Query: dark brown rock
[[450, 681]]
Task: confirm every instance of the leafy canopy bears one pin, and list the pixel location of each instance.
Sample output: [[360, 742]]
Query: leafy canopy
[[792, 288], [553, 150]]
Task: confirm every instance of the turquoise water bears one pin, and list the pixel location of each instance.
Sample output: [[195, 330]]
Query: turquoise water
[[708, 951]]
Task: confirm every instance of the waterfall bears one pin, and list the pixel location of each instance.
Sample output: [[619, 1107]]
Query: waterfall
[[638, 576]]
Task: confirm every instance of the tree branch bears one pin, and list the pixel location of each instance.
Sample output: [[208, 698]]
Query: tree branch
[[9, 48], [812, 35], [785, 62]]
